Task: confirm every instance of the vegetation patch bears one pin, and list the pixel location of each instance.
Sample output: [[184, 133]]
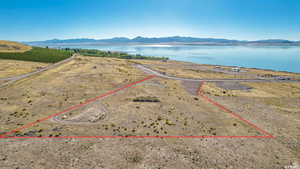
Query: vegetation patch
[[38, 54], [146, 99], [120, 55]]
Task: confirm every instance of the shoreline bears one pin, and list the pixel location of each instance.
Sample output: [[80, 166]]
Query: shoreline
[[231, 66], [192, 62], [251, 44], [263, 69], [170, 57]]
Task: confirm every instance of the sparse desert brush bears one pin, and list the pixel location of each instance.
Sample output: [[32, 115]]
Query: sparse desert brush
[[133, 157], [169, 122]]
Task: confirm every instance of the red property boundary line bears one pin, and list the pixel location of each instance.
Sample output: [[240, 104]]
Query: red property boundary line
[[200, 92], [72, 108]]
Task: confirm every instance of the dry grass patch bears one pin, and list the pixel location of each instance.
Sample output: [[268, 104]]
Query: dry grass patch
[[270, 72], [278, 89], [259, 89], [10, 68], [8, 46]]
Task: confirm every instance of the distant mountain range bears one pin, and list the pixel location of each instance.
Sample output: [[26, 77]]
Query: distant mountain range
[[163, 40]]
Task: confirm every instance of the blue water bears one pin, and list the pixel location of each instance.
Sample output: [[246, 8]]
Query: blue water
[[283, 58]]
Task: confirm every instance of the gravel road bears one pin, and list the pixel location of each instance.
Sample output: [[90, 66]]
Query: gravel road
[[16, 78], [159, 74]]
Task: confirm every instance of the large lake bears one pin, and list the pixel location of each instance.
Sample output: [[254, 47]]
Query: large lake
[[283, 58]]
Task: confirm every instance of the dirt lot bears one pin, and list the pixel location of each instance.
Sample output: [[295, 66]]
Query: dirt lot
[[154, 107]]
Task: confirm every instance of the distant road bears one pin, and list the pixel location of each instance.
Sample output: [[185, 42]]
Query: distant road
[[141, 67], [156, 73], [15, 78]]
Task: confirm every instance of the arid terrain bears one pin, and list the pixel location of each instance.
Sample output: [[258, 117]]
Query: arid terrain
[[11, 68], [9, 46], [93, 112]]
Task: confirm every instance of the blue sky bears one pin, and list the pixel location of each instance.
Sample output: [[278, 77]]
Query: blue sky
[[28, 20]]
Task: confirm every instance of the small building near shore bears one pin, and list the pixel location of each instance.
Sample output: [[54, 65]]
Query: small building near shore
[[235, 69]]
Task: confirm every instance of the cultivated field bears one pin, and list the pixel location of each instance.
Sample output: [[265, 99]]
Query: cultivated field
[[37, 54]]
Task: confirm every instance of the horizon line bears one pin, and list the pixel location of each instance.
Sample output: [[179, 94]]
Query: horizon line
[[158, 37]]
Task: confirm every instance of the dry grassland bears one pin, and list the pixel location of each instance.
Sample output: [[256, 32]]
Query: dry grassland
[[8, 46], [11, 68]]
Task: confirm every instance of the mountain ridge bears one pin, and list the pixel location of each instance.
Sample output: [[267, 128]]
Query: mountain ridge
[[164, 40]]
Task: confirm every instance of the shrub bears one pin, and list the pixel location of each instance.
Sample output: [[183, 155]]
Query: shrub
[[146, 99]]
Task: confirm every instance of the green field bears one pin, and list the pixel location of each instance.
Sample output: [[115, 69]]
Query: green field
[[48, 55], [37, 54]]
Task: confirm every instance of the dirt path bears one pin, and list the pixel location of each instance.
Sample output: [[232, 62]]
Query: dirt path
[[23, 76]]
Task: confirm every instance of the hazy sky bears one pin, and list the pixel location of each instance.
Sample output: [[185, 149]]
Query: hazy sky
[[27, 20]]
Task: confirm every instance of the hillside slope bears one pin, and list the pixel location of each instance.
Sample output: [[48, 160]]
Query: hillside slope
[[9, 46]]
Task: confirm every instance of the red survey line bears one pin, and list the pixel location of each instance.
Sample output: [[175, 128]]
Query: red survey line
[[201, 93], [76, 106], [65, 137]]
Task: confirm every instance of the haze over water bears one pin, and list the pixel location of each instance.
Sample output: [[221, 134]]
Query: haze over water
[[281, 58]]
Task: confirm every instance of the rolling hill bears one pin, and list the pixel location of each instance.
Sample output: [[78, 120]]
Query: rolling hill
[[13, 47]]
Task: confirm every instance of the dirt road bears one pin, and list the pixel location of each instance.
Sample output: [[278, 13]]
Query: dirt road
[[156, 73], [23, 76]]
